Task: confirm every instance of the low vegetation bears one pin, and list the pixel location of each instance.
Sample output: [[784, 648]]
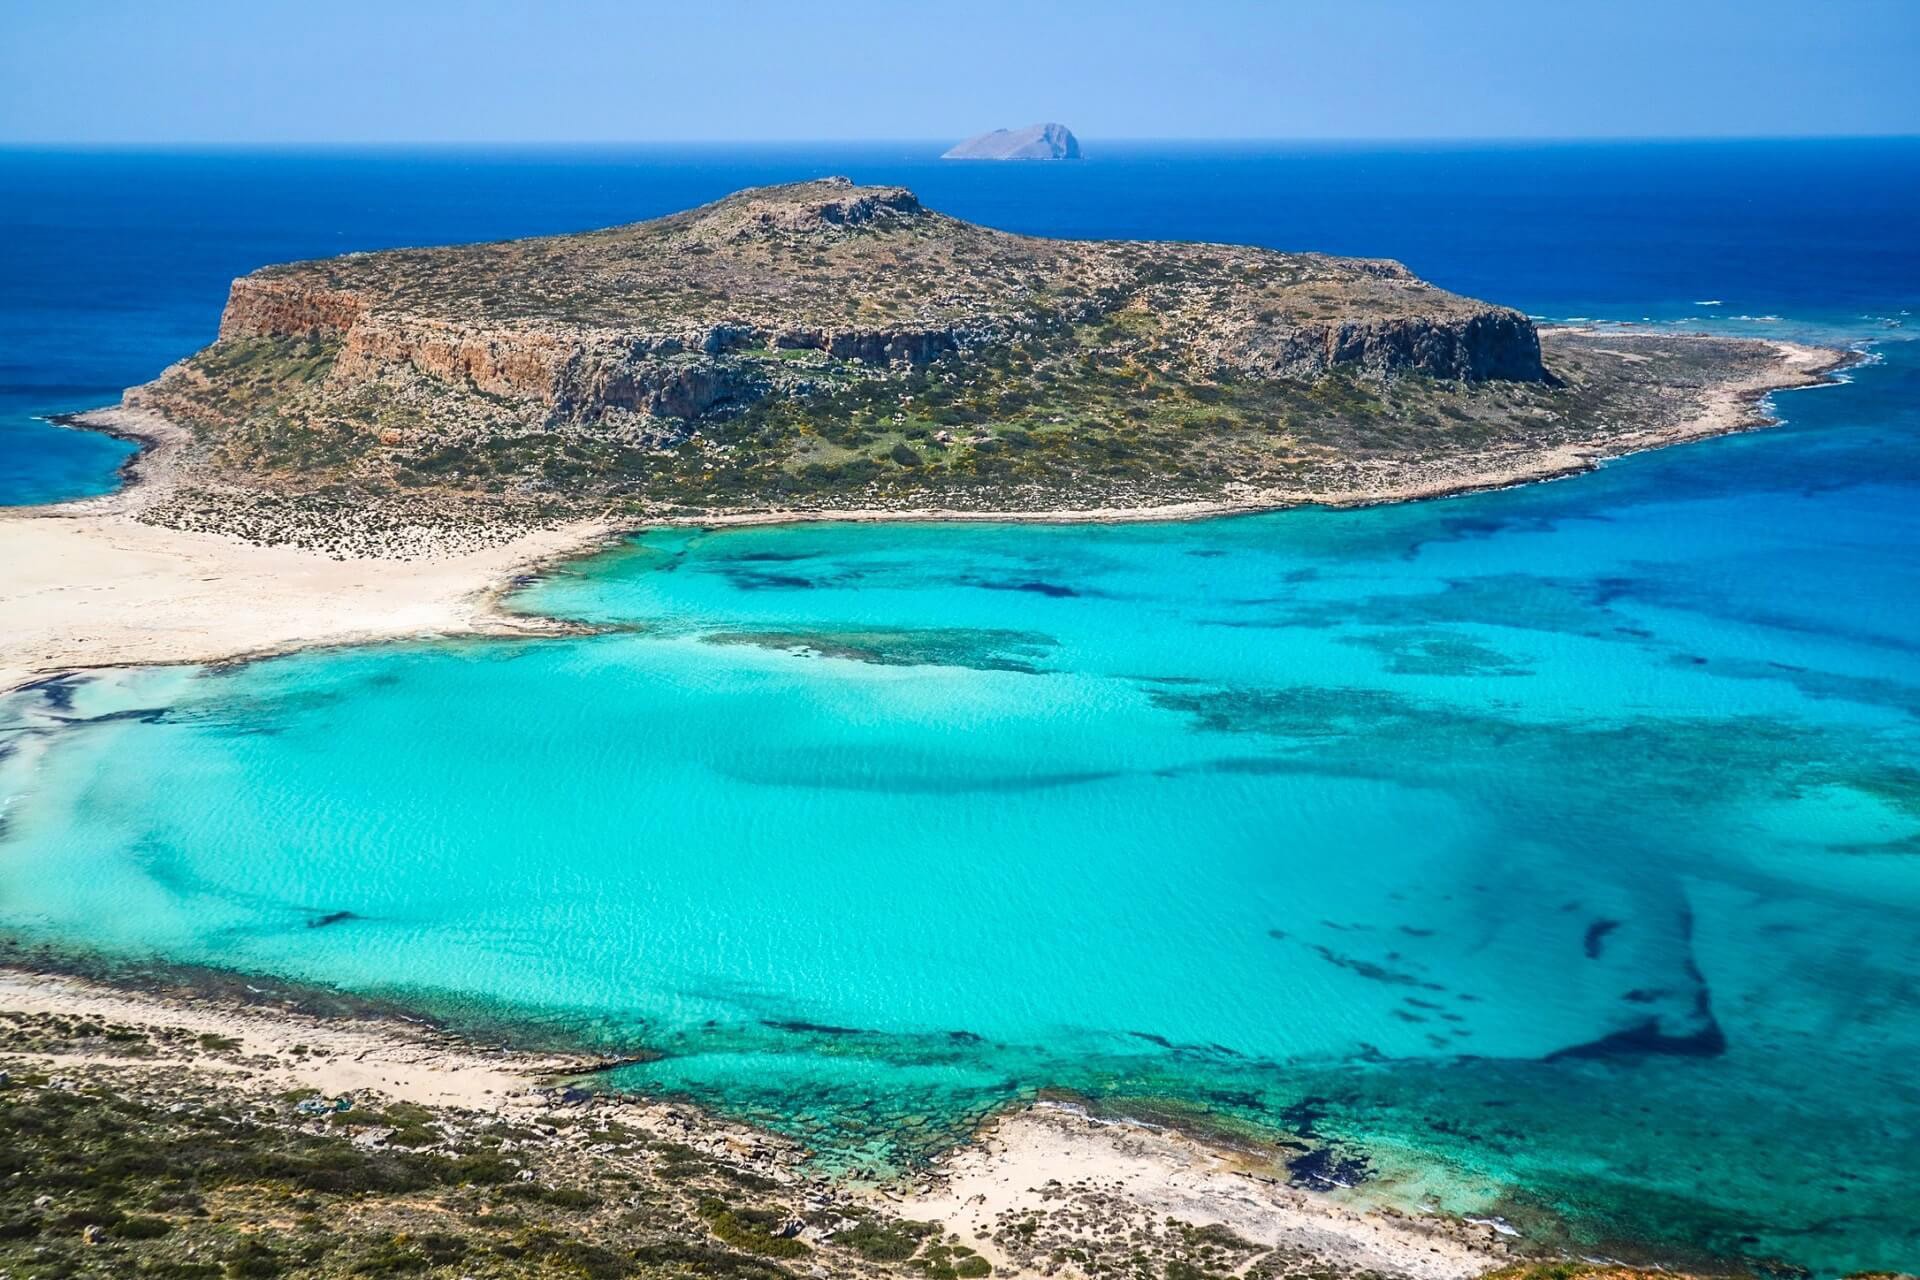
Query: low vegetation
[[829, 347]]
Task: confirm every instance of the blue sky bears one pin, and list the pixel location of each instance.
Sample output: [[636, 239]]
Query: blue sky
[[597, 71]]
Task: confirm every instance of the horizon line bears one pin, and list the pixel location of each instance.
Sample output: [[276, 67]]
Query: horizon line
[[235, 144]]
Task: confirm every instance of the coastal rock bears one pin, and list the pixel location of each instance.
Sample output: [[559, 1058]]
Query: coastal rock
[[290, 307], [1035, 142], [1493, 344]]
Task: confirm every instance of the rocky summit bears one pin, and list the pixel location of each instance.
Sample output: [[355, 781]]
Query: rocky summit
[[1035, 142], [827, 346]]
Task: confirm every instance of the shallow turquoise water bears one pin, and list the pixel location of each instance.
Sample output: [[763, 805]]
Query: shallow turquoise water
[[1553, 849]]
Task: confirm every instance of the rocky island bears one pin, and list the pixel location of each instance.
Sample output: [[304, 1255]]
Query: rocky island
[[1035, 142], [830, 348]]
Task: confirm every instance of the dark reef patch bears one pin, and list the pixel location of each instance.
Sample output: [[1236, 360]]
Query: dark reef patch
[[1596, 937], [1670, 769], [800, 1026], [979, 649], [1650, 1035], [1824, 686], [1567, 606], [1303, 1115], [1297, 711], [56, 691], [330, 918], [1646, 1038], [760, 580], [1425, 653], [1373, 972], [1326, 1168], [141, 715], [1052, 590]]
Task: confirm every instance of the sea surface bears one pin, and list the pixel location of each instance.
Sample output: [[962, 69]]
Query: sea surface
[[1551, 853]]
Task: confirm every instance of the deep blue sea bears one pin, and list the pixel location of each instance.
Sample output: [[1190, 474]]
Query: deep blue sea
[[114, 263], [1556, 851]]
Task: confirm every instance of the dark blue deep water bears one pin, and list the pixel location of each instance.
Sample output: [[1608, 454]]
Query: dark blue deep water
[[113, 263], [1557, 850]]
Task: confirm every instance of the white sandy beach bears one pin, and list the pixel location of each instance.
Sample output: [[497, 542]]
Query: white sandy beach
[[88, 584], [100, 589], [1043, 1156]]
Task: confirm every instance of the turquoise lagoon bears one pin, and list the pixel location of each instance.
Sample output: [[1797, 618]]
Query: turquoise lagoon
[[1555, 851]]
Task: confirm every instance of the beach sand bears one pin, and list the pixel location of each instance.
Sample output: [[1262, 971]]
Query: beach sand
[[90, 584], [1088, 1185], [1057, 1162], [105, 589]]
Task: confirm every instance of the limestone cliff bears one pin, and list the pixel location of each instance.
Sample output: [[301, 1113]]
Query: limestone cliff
[[676, 318]]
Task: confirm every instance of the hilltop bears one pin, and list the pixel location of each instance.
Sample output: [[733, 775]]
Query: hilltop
[[823, 347]]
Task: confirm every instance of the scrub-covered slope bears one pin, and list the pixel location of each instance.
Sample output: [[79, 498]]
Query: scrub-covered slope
[[825, 346]]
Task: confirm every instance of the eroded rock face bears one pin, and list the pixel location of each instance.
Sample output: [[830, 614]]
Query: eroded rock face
[[1490, 344], [573, 374], [520, 363], [857, 208], [261, 305], [689, 314]]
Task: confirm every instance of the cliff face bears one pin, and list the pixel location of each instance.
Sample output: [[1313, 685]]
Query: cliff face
[[1490, 344], [260, 305], [696, 314], [567, 373]]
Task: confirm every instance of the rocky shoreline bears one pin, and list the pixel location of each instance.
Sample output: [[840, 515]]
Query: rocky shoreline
[[152, 573], [1043, 1190]]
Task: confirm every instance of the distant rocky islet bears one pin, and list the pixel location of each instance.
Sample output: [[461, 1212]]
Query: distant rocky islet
[[1048, 141]]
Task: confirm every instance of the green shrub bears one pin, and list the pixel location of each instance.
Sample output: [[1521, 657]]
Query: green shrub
[[880, 1240], [750, 1229]]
